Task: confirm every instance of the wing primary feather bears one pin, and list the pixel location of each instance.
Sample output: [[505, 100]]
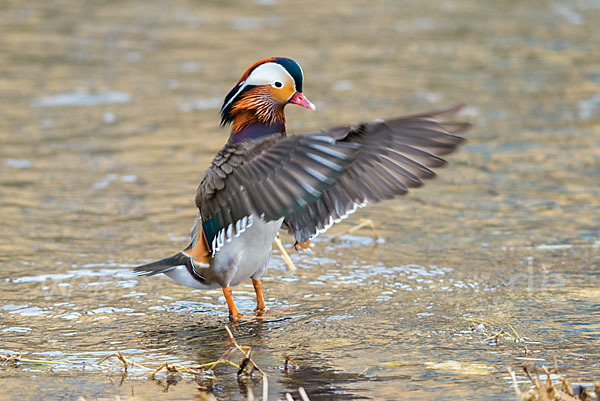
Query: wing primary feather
[[320, 138], [318, 176], [329, 151], [325, 162]]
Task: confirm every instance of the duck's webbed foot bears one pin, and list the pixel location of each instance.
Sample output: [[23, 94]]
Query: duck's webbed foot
[[302, 245]]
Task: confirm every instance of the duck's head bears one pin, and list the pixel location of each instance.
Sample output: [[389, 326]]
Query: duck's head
[[262, 93]]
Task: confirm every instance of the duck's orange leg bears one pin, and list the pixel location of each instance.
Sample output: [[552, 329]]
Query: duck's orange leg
[[260, 300], [234, 315]]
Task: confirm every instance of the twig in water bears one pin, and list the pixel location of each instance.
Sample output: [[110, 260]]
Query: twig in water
[[196, 370], [363, 223], [303, 394], [120, 357], [301, 391], [199, 370], [265, 388], [246, 354], [16, 357], [285, 255], [10, 358], [288, 362], [494, 337]]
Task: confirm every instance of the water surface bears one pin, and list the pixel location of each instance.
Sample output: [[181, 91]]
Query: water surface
[[109, 116]]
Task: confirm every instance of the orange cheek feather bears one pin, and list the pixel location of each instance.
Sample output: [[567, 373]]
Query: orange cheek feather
[[282, 94]]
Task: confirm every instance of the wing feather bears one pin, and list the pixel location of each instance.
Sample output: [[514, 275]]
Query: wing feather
[[393, 156]]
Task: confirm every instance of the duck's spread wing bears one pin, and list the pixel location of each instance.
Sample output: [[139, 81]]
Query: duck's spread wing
[[392, 157], [269, 178]]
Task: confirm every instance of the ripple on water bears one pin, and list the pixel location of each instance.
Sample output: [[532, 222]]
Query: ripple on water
[[81, 273], [213, 103], [17, 329], [42, 277], [588, 108], [362, 320], [30, 312], [81, 97], [17, 163]]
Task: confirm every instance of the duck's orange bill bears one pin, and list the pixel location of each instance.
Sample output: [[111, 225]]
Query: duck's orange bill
[[301, 100]]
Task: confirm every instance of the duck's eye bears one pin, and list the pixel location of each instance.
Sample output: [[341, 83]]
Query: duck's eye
[[278, 84]]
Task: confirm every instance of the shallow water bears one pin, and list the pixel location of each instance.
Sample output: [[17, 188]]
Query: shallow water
[[109, 116]]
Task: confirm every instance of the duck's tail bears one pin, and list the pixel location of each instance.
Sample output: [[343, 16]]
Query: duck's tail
[[164, 265]]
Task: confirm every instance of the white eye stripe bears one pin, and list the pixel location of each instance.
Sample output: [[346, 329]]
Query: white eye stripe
[[268, 74]]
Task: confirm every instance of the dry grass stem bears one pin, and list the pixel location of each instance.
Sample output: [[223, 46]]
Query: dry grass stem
[[548, 391], [518, 392], [518, 338]]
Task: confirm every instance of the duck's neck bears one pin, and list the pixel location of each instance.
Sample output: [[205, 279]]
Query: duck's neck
[[247, 126]]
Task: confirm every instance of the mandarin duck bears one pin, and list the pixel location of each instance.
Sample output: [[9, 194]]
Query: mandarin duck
[[264, 180]]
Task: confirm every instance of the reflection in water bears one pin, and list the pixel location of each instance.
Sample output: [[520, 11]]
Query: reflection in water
[[110, 115], [323, 383]]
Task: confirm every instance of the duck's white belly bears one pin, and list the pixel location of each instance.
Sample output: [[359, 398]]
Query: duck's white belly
[[247, 255], [244, 257]]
